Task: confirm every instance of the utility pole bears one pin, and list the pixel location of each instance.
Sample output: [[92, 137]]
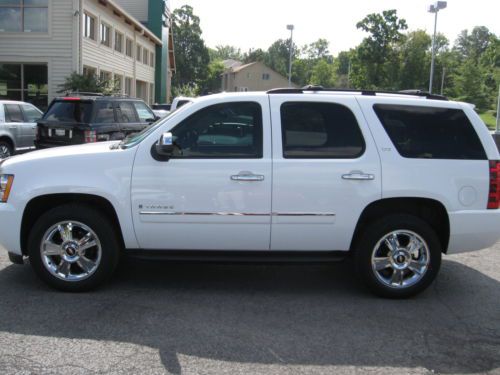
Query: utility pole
[[434, 8], [290, 27], [442, 80], [498, 114]]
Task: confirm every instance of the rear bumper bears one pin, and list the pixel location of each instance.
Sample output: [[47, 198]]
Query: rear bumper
[[473, 230]]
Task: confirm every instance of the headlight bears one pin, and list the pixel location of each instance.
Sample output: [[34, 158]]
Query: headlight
[[6, 181]]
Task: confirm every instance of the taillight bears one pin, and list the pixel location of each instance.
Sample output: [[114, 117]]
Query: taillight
[[494, 194], [90, 136]]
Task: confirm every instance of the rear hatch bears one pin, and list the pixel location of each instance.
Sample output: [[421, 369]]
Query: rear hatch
[[65, 122]]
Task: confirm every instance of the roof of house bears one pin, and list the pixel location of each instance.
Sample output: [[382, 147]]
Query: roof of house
[[231, 63], [242, 67], [129, 19]]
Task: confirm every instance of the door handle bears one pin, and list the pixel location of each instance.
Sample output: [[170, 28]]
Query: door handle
[[247, 177], [358, 176]]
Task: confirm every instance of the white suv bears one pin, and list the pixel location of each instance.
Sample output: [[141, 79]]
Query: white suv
[[394, 180]]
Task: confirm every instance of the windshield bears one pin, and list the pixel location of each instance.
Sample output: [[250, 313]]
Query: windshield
[[136, 138]]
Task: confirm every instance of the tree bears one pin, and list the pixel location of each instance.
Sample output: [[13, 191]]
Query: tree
[[323, 74], [254, 55], [474, 44], [415, 61], [278, 55], [213, 81], [469, 83], [376, 51], [225, 52], [318, 50], [88, 83], [191, 54]]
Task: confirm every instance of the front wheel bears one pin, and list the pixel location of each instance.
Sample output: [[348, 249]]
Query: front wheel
[[73, 248], [398, 256]]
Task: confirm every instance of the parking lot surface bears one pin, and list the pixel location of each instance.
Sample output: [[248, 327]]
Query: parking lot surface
[[159, 318]]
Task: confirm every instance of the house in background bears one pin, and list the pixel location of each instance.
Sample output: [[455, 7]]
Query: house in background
[[156, 16], [250, 77], [42, 42]]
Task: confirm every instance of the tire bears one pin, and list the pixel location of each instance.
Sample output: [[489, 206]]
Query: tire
[[5, 150], [398, 256], [73, 248]]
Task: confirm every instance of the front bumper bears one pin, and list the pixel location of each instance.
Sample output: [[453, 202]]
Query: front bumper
[[10, 228], [473, 230]]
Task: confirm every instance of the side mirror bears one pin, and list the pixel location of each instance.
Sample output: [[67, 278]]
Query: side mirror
[[165, 145]]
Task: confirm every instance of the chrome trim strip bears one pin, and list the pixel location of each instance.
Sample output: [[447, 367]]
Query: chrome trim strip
[[233, 213]]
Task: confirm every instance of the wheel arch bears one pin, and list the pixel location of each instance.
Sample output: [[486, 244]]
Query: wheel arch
[[7, 138], [40, 204], [429, 210]]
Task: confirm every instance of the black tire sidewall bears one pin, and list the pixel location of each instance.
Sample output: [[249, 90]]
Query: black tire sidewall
[[95, 220], [378, 229], [6, 144]]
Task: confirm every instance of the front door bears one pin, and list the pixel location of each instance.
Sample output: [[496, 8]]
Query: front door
[[326, 170], [215, 192]]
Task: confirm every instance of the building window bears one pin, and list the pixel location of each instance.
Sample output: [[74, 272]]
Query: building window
[[128, 86], [26, 82], [265, 76], [105, 76], [88, 26], [128, 47], [145, 57], [89, 71], [118, 42], [152, 59], [138, 54], [105, 35], [29, 16], [118, 83]]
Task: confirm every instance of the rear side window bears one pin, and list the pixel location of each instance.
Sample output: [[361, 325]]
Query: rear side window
[[430, 133], [69, 111], [13, 113], [126, 113], [320, 130], [104, 113]]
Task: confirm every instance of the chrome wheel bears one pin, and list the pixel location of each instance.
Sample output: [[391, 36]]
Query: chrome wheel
[[4, 151], [400, 259], [70, 251]]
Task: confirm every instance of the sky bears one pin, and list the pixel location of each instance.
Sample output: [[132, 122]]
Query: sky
[[258, 23]]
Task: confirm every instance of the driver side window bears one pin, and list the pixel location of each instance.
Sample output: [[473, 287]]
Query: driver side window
[[227, 130]]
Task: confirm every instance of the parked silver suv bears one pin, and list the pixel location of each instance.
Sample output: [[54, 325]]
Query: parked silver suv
[[17, 126]]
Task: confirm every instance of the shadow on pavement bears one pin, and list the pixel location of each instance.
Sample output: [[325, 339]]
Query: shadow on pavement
[[308, 315]]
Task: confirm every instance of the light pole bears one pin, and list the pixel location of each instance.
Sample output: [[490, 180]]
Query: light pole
[[434, 8], [498, 114], [290, 27]]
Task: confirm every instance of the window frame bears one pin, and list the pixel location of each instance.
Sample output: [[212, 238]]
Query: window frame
[[138, 52], [325, 157], [8, 119], [118, 33], [127, 39], [102, 26], [258, 155], [93, 29], [21, 6], [145, 56], [24, 109]]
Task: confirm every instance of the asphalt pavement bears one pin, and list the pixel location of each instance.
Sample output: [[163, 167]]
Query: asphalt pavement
[[160, 318]]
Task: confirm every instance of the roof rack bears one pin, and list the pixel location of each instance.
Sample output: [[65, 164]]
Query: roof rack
[[311, 88], [84, 93]]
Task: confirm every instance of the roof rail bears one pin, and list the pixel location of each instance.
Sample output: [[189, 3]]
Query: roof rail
[[291, 90], [84, 93]]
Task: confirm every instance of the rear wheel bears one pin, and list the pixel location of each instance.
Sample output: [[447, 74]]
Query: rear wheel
[[398, 256], [5, 150], [73, 248]]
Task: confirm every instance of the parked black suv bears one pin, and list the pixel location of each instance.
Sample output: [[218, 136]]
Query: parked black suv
[[85, 118]]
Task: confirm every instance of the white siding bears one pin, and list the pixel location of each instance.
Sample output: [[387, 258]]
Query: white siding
[[106, 58], [54, 48], [137, 8]]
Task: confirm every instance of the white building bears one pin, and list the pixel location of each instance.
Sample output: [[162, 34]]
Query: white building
[[44, 41]]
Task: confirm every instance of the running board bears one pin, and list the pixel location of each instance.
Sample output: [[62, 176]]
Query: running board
[[237, 256]]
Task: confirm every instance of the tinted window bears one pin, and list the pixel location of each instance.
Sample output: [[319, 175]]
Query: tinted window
[[69, 111], [320, 130], [104, 112], [144, 112], [428, 132], [13, 113], [31, 114], [229, 130], [125, 112]]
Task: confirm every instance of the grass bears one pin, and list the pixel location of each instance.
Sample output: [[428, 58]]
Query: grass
[[489, 119]]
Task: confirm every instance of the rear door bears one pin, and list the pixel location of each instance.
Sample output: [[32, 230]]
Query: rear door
[[28, 131], [14, 120], [326, 170]]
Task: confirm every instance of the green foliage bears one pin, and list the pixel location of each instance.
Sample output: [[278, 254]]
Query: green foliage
[[188, 89], [191, 54], [87, 83], [323, 74], [214, 77], [225, 52]]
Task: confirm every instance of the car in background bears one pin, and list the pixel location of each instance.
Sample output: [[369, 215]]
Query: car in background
[[17, 126], [86, 118], [179, 102], [164, 106], [161, 113]]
